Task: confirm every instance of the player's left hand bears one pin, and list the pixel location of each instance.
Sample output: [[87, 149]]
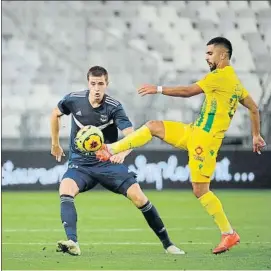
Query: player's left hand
[[147, 89], [118, 158], [258, 144]]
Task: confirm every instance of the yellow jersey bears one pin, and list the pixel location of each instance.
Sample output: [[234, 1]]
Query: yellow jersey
[[223, 91]]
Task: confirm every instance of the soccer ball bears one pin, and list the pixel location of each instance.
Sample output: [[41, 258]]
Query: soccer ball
[[89, 139]]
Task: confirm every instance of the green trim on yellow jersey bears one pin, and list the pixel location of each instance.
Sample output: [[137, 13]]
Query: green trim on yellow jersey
[[211, 116], [202, 113]]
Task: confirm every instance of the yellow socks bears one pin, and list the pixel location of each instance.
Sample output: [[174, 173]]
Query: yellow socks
[[134, 140], [214, 208]]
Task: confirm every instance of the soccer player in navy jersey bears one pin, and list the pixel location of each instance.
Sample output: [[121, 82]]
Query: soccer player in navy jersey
[[85, 171]]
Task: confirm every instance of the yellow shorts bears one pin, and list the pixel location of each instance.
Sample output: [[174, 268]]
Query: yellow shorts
[[202, 148]]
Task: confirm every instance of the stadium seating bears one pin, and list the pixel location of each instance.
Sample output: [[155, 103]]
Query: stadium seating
[[11, 125], [48, 46]]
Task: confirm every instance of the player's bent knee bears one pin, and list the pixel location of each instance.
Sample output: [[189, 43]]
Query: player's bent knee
[[157, 128], [136, 195], [68, 187], [199, 189]]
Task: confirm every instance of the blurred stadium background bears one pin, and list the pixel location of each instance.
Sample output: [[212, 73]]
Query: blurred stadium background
[[48, 46]]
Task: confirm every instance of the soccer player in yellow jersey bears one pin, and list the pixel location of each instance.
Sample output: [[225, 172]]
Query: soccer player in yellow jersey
[[202, 138]]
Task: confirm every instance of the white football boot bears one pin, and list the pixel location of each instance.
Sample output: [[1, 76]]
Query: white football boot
[[174, 250], [68, 246]]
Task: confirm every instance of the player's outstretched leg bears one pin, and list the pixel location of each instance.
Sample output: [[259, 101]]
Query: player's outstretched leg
[[213, 206], [136, 139], [136, 195], [68, 190]]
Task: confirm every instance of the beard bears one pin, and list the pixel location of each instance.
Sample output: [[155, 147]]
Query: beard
[[213, 67]]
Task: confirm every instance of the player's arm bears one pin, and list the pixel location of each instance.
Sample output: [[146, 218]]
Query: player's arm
[[258, 141], [178, 91], [249, 103], [206, 85], [60, 110], [55, 124]]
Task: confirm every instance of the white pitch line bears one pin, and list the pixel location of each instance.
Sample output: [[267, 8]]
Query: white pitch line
[[117, 229], [108, 243], [124, 243], [57, 219], [84, 230], [112, 218], [106, 230]]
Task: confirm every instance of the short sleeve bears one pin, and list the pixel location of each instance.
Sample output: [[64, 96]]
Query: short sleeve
[[121, 119], [63, 105], [209, 83], [244, 94]]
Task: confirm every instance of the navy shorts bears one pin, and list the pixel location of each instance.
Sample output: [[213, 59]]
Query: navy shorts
[[114, 177]]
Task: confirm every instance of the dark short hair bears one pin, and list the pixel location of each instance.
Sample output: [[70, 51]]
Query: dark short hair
[[222, 41], [97, 71]]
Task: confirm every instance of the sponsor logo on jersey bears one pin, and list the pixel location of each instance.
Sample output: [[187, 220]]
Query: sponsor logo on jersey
[[73, 166], [198, 158], [104, 118], [199, 150]]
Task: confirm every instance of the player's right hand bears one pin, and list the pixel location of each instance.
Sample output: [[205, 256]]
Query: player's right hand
[[57, 151], [147, 89], [258, 144]]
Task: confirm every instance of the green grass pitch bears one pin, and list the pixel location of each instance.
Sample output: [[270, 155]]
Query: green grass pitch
[[114, 235]]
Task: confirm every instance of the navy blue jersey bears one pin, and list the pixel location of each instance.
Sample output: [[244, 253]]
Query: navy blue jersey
[[109, 116]]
